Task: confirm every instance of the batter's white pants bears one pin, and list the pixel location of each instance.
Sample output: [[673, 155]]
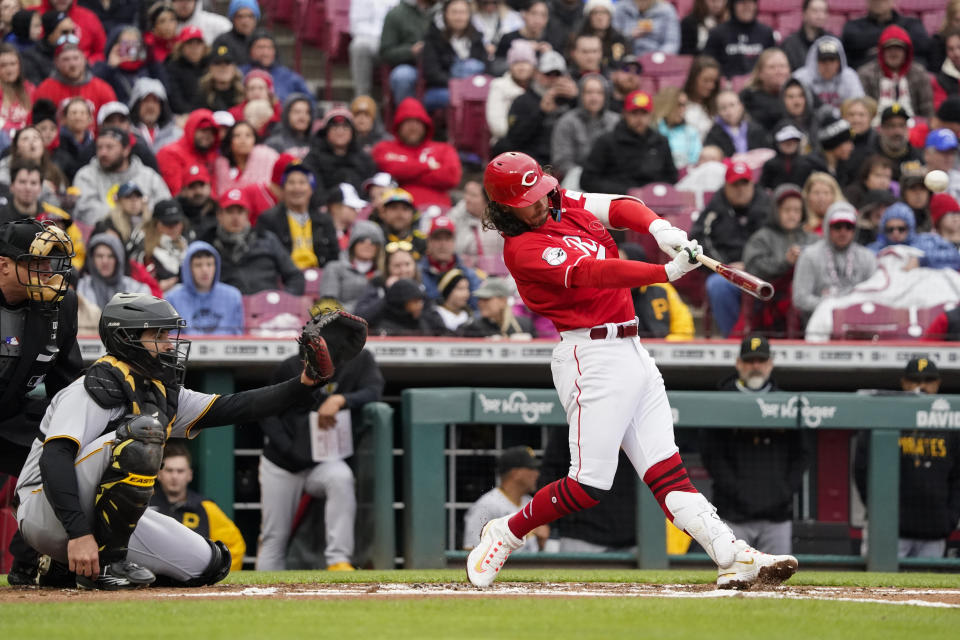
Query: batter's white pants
[[280, 492], [614, 397], [159, 542]]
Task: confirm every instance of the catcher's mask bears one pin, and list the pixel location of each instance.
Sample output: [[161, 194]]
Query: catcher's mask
[[44, 250], [122, 325]]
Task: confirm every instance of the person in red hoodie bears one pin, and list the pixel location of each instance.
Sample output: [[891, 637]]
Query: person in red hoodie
[[86, 26], [424, 167], [896, 77], [199, 146], [72, 78]]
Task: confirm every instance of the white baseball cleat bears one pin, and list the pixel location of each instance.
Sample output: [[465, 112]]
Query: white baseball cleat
[[497, 542], [751, 567]]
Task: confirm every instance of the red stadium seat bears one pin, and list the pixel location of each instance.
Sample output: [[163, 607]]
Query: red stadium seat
[[665, 200], [917, 8], [660, 64], [769, 19], [852, 8], [739, 82], [933, 20], [869, 321], [466, 116], [312, 277], [683, 7], [788, 23], [648, 84], [779, 6], [284, 10], [274, 312]]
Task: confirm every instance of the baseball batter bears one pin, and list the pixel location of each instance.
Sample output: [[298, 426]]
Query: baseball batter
[[85, 486], [566, 268]]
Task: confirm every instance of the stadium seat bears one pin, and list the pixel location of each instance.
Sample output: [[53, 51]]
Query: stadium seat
[[739, 82], [788, 23], [852, 8], [648, 84], [284, 10], [274, 313], [933, 20], [779, 6], [312, 277], [467, 128], [312, 26], [664, 199], [664, 65], [917, 8], [683, 7], [869, 321]]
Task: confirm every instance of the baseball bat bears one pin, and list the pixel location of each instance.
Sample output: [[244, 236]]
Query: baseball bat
[[760, 289]]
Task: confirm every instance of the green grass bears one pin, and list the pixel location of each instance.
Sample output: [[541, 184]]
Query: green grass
[[524, 618]]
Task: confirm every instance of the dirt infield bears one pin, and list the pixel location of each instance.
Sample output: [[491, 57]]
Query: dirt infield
[[942, 598]]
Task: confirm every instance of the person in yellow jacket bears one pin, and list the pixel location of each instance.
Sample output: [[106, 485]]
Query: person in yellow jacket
[[63, 220], [661, 312], [174, 499]]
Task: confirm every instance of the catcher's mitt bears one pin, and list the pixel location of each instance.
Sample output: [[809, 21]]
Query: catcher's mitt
[[330, 339]]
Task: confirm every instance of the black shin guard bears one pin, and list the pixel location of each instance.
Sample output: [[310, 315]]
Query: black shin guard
[[217, 569], [127, 485]]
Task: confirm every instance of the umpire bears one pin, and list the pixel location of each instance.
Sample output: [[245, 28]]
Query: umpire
[[756, 472], [39, 354]]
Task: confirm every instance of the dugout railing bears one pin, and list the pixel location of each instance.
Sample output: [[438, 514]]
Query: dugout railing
[[427, 415]]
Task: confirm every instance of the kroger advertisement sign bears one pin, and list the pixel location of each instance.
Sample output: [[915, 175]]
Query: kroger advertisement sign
[[529, 406]]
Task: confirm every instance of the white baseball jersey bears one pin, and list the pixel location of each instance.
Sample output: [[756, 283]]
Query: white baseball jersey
[[493, 504], [74, 414]]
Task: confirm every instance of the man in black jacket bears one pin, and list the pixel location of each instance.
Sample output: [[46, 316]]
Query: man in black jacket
[[299, 456], [755, 472], [630, 156], [860, 36], [306, 232], [929, 474], [252, 260], [533, 114], [336, 156], [724, 227], [737, 43], [610, 526], [38, 351]]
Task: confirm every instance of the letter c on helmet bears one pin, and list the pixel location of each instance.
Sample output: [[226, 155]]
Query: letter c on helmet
[[529, 179]]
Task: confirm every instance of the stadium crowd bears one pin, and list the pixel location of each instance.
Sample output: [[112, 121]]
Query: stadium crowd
[[186, 159]]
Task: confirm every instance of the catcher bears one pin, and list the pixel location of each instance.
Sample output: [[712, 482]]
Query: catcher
[[85, 486]]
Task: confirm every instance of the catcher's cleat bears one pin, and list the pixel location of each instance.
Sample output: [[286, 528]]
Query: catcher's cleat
[[22, 574], [341, 566], [116, 576], [497, 542], [55, 575], [755, 567]]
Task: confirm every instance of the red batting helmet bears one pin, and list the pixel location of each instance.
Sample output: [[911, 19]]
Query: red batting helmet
[[516, 180]]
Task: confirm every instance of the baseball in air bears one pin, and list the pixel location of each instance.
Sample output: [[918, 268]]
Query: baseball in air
[[936, 181]]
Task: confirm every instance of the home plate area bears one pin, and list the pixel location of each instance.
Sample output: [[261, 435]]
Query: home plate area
[[939, 598], [943, 598]]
